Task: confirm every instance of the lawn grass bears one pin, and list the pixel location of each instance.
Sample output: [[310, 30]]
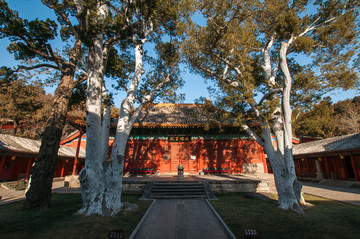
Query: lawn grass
[[61, 221], [324, 219]]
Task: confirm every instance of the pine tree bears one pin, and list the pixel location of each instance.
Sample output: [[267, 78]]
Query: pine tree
[[142, 22], [248, 47], [19, 101], [31, 43]]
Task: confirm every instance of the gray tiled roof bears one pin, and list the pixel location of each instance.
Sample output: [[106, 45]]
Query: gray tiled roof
[[12, 144], [172, 114], [340, 143]]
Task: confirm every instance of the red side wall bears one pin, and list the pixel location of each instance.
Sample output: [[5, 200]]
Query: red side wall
[[16, 168], [19, 167], [333, 167]]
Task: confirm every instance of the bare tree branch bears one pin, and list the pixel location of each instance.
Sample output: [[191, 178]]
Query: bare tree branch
[[65, 18], [252, 134], [59, 61], [268, 95], [28, 68], [147, 99], [81, 79], [227, 62]]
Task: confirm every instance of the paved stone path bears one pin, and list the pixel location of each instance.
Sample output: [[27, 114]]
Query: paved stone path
[[330, 190], [189, 219], [9, 196], [181, 219], [347, 195]]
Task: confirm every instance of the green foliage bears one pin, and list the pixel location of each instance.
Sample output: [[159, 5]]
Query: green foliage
[[153, 23], [287, 23], [31, 41], [168, 52], [22, 102], [239, 48], [78, 97], [319, 122], [29, 38], [19, 100], [120, 67], [328, 120], [347, 116], [165, 66], [304, 44]]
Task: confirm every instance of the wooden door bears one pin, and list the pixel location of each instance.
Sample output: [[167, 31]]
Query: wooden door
[[180, 154], [193, 160], [165, 165]]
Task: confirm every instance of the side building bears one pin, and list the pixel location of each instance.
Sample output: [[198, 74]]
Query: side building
[[17, 155], [332, 158]]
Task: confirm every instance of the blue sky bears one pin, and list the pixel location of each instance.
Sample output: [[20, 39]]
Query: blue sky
[[194, 85]]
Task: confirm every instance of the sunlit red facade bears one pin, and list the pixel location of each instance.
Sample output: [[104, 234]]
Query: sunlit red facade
[[168, 134]]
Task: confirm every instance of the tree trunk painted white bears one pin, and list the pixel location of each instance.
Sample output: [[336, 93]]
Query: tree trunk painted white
[[91, 176], [105, 129], [114, 168], [92, 179], [279, 154], [289, 189], [286, 186]]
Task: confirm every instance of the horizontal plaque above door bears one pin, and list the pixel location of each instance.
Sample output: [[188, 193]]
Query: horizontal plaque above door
[[179, 138]]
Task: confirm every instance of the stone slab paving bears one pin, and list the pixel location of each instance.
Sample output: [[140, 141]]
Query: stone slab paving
[[225, 177], [8, 196], [347, 195], [181, 219], [11, 195], [330, 190]]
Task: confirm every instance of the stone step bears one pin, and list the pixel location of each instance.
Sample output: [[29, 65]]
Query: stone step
[[178, 197], [178, 193], [177, 184], [175, 189], [178, 187]]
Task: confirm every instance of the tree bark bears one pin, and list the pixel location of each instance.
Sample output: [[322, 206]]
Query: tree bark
[[39, 194], [289, 189], [280, 155], [91, 176], [105, 128], [114, 169], [16, 125]]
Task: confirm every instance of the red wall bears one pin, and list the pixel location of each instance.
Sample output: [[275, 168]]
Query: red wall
[[15, 168], [165, 156], [209, 153], [338, 168], [19, 167]]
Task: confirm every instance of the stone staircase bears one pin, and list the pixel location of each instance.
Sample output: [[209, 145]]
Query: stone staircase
[[178, 190], [9, 185]]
